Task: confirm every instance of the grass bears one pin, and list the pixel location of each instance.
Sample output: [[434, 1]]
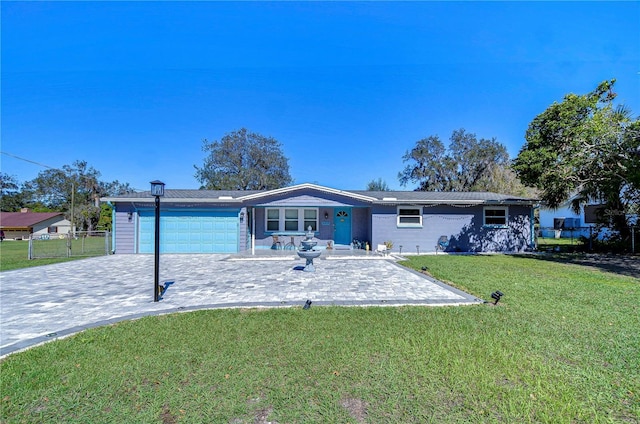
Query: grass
[[559, 244], [15, 254], [562, 346]]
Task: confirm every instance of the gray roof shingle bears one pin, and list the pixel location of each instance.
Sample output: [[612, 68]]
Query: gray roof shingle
[[214, 196], [441, 196]]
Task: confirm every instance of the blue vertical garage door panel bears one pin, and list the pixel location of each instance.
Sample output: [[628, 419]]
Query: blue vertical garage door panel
[[190, 232]]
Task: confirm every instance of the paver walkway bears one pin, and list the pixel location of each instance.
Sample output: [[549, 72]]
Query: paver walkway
[[42, 303]]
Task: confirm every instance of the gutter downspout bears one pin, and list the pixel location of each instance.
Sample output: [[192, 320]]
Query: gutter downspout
[[113, 227], [136, 238]]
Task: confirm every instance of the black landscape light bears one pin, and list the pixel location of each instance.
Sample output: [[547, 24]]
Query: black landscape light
[[307, 304], [496, 295], [157, 190]]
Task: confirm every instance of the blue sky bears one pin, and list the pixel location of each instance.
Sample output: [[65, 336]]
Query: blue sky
[[347, 88]]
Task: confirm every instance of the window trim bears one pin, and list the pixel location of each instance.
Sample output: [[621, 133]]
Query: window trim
[[399, 217], [282, 218], [502, 208]]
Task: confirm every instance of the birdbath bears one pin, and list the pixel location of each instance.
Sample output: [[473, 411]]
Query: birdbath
[[307, 251]]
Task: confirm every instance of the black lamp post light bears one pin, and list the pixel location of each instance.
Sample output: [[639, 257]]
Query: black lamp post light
[[157, 190]]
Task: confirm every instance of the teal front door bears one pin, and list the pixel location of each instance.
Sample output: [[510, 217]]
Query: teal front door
[[342, 226]]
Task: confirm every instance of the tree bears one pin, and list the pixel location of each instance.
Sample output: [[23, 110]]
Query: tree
[[584, 150], [377, 185], [468, 164], [104, 220], [430, 166], [75, 189], [632, 164], [11, 199], [243, 160]]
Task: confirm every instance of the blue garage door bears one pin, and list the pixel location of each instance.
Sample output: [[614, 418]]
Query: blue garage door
[[190, 232]]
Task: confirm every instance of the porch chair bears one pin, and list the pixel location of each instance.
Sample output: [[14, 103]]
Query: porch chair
[[443, 243], [382, 249], [277, 244], [291, 245]]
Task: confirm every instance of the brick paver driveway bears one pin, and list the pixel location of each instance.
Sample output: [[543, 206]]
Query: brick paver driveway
[[41, 303]]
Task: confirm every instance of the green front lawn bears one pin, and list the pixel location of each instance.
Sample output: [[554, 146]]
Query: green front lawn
[[562, 346], [15, 254]]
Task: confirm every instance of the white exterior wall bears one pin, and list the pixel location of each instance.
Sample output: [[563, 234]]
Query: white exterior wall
[[64, 226]]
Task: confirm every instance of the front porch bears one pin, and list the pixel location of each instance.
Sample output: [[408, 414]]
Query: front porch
[[282, 228]]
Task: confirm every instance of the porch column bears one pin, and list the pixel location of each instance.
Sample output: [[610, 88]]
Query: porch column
[[253, 231]]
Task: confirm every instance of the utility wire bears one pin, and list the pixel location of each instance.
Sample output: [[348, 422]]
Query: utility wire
[[30, 161], [47, 166]]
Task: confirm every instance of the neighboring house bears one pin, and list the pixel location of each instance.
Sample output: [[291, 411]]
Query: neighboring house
[[19, 225], [562, 223], [565, 223], [212, 221]]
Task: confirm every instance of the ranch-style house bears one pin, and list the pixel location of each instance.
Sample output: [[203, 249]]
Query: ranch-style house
[[233, 221]]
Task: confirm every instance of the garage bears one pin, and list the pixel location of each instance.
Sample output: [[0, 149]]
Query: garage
[[190, 231]]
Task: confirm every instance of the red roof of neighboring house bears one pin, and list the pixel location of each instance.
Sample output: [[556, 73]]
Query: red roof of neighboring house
[[25, 219]]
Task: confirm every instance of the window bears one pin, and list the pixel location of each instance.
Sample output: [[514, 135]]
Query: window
[[310, 219], [273, 219], [53, 230], [496, 216], [409, 216], [291, 219]]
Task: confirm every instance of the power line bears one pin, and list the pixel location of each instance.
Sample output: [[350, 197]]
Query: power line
[[28, 160], [47, 166]]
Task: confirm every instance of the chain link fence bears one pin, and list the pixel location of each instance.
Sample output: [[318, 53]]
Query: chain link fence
[[587, 239], [78, 244]]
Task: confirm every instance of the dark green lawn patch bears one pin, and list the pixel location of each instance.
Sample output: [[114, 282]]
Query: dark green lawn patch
[[561, 346], [623, 264]]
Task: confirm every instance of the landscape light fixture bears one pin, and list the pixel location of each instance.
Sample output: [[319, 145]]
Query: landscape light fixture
[[496, 295], [157, 190], [307, 304]]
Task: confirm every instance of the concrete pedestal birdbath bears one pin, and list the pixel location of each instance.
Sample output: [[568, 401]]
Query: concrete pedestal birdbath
[[307, 251]]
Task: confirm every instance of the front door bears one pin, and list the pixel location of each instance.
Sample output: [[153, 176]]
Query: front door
[[342, 226]]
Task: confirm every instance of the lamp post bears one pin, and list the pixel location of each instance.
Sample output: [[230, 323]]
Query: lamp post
[[157, 190]]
